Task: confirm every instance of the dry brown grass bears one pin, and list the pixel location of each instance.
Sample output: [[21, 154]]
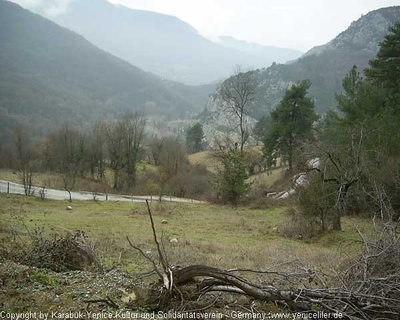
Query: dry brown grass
[[266, 179], [207, 234], [206, 159]]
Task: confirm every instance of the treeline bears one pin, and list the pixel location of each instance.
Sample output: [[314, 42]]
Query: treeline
[[118, 155]]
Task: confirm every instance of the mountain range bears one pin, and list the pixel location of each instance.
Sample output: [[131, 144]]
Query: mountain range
[[50, 76], [163, 44]]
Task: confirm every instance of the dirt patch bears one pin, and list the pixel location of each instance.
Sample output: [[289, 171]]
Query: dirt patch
[[30, 289]]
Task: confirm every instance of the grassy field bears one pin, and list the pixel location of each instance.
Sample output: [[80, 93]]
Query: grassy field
[[207, 234], [53, 180], [265, 179]]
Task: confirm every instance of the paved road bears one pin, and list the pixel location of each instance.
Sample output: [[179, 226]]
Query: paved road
[[15, 188]]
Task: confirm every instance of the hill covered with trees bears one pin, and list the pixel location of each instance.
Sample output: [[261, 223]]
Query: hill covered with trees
[[50, 76]]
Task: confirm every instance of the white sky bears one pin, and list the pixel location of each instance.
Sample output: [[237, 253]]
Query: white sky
[[298, 24]]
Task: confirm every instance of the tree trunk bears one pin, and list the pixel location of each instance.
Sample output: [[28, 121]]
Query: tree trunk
[[290, 154], [241, 133], [116, 176], [336, 224]]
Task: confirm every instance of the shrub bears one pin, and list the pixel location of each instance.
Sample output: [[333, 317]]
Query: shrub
[[301, 226], [317, 202], [69, 252], [230, 181]]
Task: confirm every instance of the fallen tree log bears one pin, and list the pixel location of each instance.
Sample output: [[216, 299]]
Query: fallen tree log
[[349, 304]]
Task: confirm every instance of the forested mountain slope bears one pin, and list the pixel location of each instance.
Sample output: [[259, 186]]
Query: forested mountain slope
[[50, 75]]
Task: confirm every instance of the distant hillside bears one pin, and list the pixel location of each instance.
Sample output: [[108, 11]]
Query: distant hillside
[[159, 43], [264, 55], [325, 65], [50, 75]]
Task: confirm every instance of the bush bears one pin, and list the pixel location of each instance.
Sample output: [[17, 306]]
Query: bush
[[317, 202], [301, 226], [230, 180], [69, 252], [193, 183]]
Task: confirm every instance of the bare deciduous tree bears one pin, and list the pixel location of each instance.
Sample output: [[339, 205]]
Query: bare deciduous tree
[[347, 171], [124, 140], [133, 127], [237, 93], [24, 154], [68, 151], [115, 147], [96, 151]]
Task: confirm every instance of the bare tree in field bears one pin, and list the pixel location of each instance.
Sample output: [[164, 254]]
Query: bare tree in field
[[68, 149], [96, 151], [24, 155], [237, 93], [114, 136], [133, 127], [124, 140]]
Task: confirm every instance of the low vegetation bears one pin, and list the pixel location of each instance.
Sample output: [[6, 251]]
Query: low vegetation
[[207, 234]]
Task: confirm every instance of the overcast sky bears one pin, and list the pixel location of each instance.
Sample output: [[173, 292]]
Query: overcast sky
[[298, 24]]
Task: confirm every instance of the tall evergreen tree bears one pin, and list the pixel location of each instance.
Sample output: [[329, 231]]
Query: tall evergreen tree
[[385, 69], [194, 138], [360, 100], [292, 122]]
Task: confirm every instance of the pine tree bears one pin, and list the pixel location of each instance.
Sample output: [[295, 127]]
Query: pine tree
[[361, 100], [385, 69], [292, 123], [194, 138]]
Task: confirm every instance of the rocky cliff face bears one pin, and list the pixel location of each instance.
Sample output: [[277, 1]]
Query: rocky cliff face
[[324, 65], [364, 34]]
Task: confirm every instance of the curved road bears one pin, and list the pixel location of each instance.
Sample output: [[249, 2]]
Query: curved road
[[15, 188]]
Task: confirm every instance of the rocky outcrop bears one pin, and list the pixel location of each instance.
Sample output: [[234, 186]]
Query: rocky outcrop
[[364, 34]]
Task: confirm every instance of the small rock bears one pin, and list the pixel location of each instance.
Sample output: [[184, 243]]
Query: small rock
[[164, 221], [174, 241], [69, 208], [56, 299], [148, 253]]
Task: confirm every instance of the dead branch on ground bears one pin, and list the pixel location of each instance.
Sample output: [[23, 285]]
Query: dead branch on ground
[[362, 295]]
